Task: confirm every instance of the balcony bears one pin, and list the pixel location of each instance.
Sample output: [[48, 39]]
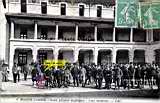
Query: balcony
[[67, 33]]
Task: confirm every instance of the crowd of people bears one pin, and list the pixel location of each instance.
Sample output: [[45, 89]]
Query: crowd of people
[[112, 75]]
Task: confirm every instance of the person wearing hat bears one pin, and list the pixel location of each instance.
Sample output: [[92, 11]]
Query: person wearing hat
[[107, 73], [99, 76]]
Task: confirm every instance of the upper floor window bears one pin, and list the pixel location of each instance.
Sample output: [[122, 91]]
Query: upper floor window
[[99, 11], [44, 7], [63, 9], [13, 0], [33, 1], [23, 6], [23, 33], [81, 10], [52, 1]]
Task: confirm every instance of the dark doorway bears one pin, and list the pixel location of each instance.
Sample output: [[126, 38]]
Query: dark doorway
[[157, 56], [60, 56], [122, 56], [104, 57], [139, 56], [22, 58], [81, 58], [42, 56]]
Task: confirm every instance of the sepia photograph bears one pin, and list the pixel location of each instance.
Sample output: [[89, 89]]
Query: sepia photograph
[[79, 51]]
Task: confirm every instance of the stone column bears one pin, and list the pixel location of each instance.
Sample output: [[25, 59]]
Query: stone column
[[55, 53], [95, 32], [114, 54], [131, 55], [35, 30], [147, 35], [34, 54], [11, 61], [114, 34], [151, 35], [12, 30], [96, 56], [57, 28], [131, 35], [76, 36], [76, 53]]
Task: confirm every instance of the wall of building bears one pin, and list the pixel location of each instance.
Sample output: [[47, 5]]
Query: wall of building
[[54, 9], [3, 33]]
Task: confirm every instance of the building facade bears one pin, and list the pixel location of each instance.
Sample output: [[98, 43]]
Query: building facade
[[76, 30]]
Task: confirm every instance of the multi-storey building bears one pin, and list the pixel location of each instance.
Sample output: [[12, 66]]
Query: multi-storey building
[[76, 30]]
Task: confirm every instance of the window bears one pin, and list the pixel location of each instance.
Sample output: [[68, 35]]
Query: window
[[44, 7], [33, 1], [99, 11], [63, 9], [22, 58], [4, 3], [44, 32], [13, 0], [23, 6], [23, 33], [51, 1], [81, 10]]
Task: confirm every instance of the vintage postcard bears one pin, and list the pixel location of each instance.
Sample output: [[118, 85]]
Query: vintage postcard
[[79, 51]]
